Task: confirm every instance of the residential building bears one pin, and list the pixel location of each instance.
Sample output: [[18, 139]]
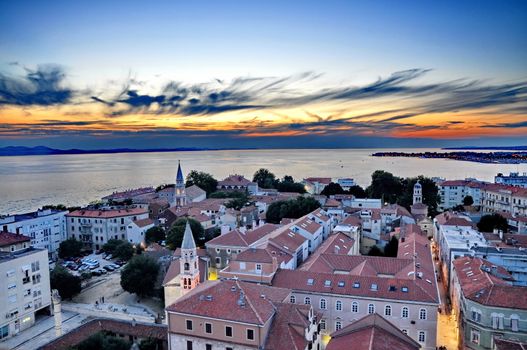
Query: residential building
[[45, 227], [94, 227], [346, 288], [486, 305], [513, 179], [136, 195], [372, 332], [236, 183], [237, 315], [315, 185], [136, 230], [292, 243], [346, 183], [195, 194], [513, 259], [502, 198], [311, 230], [452, 192], [25, 289]]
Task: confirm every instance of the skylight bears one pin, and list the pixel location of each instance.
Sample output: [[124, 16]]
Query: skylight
[[310, 281]]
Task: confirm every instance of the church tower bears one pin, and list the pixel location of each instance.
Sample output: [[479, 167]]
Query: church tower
[[180, 197], [189, 262], [418, 193]]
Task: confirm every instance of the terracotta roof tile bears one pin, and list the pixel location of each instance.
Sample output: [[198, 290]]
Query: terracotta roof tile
[[113, 213], [7, 238]]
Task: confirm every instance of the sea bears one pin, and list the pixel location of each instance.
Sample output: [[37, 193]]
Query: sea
[[29, 182]]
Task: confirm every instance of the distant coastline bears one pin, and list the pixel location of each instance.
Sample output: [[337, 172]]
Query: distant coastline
[[43, 151], [500, 148], [479, 157]]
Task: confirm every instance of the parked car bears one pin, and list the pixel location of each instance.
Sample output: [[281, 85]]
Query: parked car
[[108, 268], [109, 257]]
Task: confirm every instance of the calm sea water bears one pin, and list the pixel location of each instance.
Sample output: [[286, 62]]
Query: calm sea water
[[27, 183]]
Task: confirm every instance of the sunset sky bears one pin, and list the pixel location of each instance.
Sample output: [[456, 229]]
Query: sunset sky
[[222, 74]]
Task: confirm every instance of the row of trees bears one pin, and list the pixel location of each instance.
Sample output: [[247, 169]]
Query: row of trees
[[292, 208], [334, 188], [266, 179]]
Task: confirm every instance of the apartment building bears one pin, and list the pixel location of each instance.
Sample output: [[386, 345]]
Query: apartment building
[[503, 198], [513, 179], [310, 230], [452, 192], [25, 288], [486, 305], [346, 288], [46, 228], [235, 315], [94, 227]]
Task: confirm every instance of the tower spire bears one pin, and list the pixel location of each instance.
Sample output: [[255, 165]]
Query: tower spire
[[188, 238]]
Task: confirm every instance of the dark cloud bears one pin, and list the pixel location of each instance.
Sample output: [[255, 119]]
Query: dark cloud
[[42, 87], [522, 124]]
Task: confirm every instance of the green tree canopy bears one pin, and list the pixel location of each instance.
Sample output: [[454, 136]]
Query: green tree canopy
[[110, 246], [155, 234], [175, 235], [123, 251], [357, 191], [488, 223], [293, 208], [264, 178], [386, 186], [331, 189], [139, 275], [67, 284], [468, 200], [70, 248], [288, 184], [203, 180], [103, 341], [391, 248]]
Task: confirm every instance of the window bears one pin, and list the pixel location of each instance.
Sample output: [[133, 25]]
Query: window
[[310, 281], [494, 321], [307, 300], [208, 328], [189, 345], [514, 323], [421, 336], [354, 307], [338, 305], [292, 299], [189, 325], [338, 325], [404, 312], [228, 331], [327, 283], [322, 324], [422, 314], [218, 261], [387, 310], [208, 346], [250, 334], [4, 331], [371, 308], [258, 267], [474, 336], [476, 316], [323, 304], [374, 286]]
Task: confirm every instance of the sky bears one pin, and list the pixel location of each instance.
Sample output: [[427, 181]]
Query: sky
[[266, 74]]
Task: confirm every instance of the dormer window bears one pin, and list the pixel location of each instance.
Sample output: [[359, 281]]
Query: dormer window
[[310, 281], [327, 283]]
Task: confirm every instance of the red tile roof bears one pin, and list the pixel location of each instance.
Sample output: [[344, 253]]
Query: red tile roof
[[507, 344], [322, 180], [143, 222], [234, 180], [136, 329], [488, 288], [372, 332], [113, 213], [308, 225], [288, 328], [288, 241], [220, 300], [232, 238], [7, 238], [352, 220], [260, 256]]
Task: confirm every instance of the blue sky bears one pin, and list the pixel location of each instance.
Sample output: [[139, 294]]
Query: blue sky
[[103, 46]]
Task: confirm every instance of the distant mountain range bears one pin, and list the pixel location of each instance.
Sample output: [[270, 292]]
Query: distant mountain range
[[42, 150], [508, 148]]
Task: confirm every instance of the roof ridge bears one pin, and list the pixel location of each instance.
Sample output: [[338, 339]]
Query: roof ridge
[[250, 303], [372, 336]]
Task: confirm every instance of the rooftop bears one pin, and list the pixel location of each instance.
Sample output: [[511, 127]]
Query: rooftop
[[107, 213], [7, 239]]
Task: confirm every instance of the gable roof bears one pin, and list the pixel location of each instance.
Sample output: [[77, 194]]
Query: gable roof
[[7, 238], [194, 191], [288, 328], [372, 332]]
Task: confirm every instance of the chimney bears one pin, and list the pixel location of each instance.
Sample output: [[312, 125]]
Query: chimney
[[275, 263]]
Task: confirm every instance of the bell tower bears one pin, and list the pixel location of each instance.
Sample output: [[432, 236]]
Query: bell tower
[[189, 262], [418, 193], [180, 197]]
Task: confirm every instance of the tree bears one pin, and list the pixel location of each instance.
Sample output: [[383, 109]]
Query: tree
[[357, 191], [175, 235], [155, 234], [139, 275], [123, 251], [67, 284], [288, 184], [384, 185], [468, 200], [238, 202], [391, 248], [264, 178], [331, 189], [70, 248], [293, 208], [149, 344], [203, 180], [110, 246], [103, 341], [375, 251], [488, 223]]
